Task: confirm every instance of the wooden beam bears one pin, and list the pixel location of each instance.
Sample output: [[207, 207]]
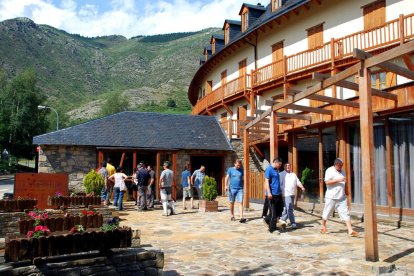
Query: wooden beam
[[354, 86], [333, 100], [320, 165], [408, 62], [368, 167], [246, 166], [259, 152], [227, 108], [350, 71], [121, 162], [309, 109], [258, 131], [269, 102], [158, 174], [285, 122], [294, 116], [273, 136], [382, 60]]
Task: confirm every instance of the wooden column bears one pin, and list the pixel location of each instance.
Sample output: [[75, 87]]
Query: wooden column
[[273, 137], [174, 168], [389, 156], [252, 103], [246, 158], [158, 174], [367, 158], [348, 172], [134, 160], [320, 159], [290, 149], [223, 177], [100, 158], [341, 132], [294, 162]]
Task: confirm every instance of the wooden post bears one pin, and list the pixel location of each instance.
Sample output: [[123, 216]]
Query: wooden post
[[252, 103], [320, 158], [246, 165], [294, 162], [158, 174], [401, 27], [174, 169], [367, 158], [390, 161], [273, 136], [341, 137], [121, 163], [134, 160], [223, 177], [100, 158]]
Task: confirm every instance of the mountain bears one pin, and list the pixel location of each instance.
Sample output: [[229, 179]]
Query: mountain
[[75, 72]]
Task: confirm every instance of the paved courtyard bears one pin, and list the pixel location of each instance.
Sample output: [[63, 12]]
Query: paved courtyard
[[210, 244]]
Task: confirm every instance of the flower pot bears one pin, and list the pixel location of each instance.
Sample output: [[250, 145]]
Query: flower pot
[[208, 206]]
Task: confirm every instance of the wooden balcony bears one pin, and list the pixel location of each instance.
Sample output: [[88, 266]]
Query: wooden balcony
[[236, 87], [233, 128], [391, 33]]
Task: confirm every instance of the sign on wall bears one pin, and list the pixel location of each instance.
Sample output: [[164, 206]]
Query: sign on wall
[[40, 186]]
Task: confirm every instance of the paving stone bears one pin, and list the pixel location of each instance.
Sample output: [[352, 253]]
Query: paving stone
[[196, 243]]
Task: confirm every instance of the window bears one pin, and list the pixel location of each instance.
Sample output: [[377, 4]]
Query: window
[[315, 36], [374, 14], [227, 33], [209, 85], [245, 19], [276, 4], [383, 80]]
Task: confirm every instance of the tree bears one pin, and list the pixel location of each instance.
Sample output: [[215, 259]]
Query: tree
[[114, 103], [20, 117]]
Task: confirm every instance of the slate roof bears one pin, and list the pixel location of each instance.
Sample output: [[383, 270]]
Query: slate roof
[[145, 130]]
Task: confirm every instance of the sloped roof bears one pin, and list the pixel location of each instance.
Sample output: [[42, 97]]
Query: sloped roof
[[144, 130]]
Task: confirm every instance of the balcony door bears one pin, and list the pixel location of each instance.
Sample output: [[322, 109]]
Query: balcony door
[[277, 57], [223, 82], [374, 14], [242, 74]]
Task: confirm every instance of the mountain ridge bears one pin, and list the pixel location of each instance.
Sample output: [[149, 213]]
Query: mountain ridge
[[74, 71]]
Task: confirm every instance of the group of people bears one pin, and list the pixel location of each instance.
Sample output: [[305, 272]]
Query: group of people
[[280, 188], [141, 184]]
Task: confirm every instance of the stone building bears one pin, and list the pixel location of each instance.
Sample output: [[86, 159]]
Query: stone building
[[130, 137]]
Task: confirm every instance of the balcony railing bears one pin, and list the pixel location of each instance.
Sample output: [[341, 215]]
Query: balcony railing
[[392, 32], [233, 128], [231, 88]]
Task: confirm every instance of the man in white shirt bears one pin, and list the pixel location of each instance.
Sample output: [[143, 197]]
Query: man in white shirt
[[289, 182], [335, 197]]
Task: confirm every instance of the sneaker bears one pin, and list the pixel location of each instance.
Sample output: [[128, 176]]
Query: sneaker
[[294, 226], [165, 214], [274, 232], [282, 223], [243, 220]]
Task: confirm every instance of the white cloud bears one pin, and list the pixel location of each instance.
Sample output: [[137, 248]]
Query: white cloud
[[125, 17]]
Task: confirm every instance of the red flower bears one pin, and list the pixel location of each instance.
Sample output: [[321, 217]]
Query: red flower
[[30, 234]]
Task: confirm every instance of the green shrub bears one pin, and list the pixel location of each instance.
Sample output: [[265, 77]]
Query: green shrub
[[209, 188], [306, 175], [93, 182]]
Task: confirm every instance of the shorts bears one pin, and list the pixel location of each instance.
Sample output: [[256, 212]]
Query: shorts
[[341, 206], [236, 194], [187, 192], [134, 187], [166, 194]]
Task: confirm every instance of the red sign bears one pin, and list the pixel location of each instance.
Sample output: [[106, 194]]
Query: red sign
[[40, 186]]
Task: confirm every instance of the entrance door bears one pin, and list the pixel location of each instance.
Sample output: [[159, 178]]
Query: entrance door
[[214, 168]]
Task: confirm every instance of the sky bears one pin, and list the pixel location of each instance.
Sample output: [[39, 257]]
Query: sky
[[125, 17]]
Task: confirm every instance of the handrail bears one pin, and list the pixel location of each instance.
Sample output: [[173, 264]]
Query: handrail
[[394, 31]]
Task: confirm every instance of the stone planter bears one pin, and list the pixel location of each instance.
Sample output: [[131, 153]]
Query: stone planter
[[23, 248], [61, 223], [208, 206], [17, 205]]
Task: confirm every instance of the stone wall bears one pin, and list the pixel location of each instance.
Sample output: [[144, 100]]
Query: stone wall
[[122, 261], [77, 161], [9, 223]]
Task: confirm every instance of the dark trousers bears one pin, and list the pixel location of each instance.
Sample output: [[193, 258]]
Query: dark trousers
[[276, 209], [265, 208], [142, 197], [150, 196]]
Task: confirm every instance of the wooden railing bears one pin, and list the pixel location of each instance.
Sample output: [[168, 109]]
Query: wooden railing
[[256, 188], [233, 128], [398, 30], [233, 87], [392, 32]]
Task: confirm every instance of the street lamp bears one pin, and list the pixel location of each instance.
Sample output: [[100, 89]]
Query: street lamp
[[51, 108]]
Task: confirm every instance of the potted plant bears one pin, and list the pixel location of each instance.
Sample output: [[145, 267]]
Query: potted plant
[[209, 204], [94, 183]]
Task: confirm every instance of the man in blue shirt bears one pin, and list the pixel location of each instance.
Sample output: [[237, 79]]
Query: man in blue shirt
[[235, 177], [187, 188], [273, 194]]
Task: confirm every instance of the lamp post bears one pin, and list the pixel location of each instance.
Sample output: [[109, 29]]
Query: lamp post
[[51, 108]]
